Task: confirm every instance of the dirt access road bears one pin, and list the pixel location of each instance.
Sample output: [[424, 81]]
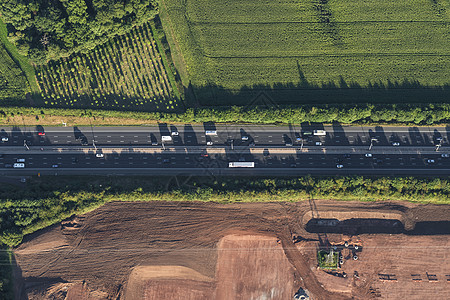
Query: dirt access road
[[93, 256]]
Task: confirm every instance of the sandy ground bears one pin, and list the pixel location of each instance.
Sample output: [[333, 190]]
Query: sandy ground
[[99, 252]]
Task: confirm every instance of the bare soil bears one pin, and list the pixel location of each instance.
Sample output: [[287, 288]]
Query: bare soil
[[232, 249]]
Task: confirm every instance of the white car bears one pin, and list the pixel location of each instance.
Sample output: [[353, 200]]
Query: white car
[[174, 133], [430, 161], [99, 155], [339, 166], [5, 139], [368, 155]]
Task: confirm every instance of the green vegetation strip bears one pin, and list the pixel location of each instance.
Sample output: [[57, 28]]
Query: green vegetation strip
[[423, 114], [45, 201], [6, 280], [21, 60]]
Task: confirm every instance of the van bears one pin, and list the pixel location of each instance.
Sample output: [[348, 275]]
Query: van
[[320, 132], [19, 165]]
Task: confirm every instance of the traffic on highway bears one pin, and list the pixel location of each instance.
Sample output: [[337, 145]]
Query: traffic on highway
[[225, 146]]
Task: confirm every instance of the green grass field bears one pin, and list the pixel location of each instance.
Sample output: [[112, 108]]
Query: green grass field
[[385, 50], [126, 73], [13, 81]]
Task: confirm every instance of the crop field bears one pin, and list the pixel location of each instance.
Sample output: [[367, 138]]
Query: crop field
[[126, 73], [367, 50]]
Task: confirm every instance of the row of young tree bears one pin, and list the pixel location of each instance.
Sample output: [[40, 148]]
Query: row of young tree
[[45, 201], [49, 29]]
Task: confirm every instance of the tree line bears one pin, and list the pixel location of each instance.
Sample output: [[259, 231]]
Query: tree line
[[418, 114], [49, 29]]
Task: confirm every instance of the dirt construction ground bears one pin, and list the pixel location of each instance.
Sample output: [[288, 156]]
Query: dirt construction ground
[[179, 250]]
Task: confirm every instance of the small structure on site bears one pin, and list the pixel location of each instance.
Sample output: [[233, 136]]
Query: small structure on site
[[328, 260]]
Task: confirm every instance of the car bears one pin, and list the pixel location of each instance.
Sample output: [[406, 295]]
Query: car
[[19, 165], [444, 155], [99, 155], [209, 143], [55, 166], [41, 133], [339, 166], [395, 144], [5, 139], [244, 138], [21, 160], [154, 143], [430, 161], [174, 133], [368, 155], [319, 143]]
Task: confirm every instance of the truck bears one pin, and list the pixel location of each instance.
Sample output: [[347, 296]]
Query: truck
[[241, 164], [320, 132]]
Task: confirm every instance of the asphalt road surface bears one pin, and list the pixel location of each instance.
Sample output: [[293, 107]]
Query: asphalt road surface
[[226, 135], [275, 150]]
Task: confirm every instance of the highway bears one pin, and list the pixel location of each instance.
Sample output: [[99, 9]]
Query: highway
[[275, 150]]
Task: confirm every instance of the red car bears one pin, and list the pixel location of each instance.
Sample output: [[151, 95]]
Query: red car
[[41, 133]]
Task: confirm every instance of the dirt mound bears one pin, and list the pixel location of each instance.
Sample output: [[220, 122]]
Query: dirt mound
[[104, 246]]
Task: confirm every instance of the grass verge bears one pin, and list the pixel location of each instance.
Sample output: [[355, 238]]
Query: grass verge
[[401, 114]]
